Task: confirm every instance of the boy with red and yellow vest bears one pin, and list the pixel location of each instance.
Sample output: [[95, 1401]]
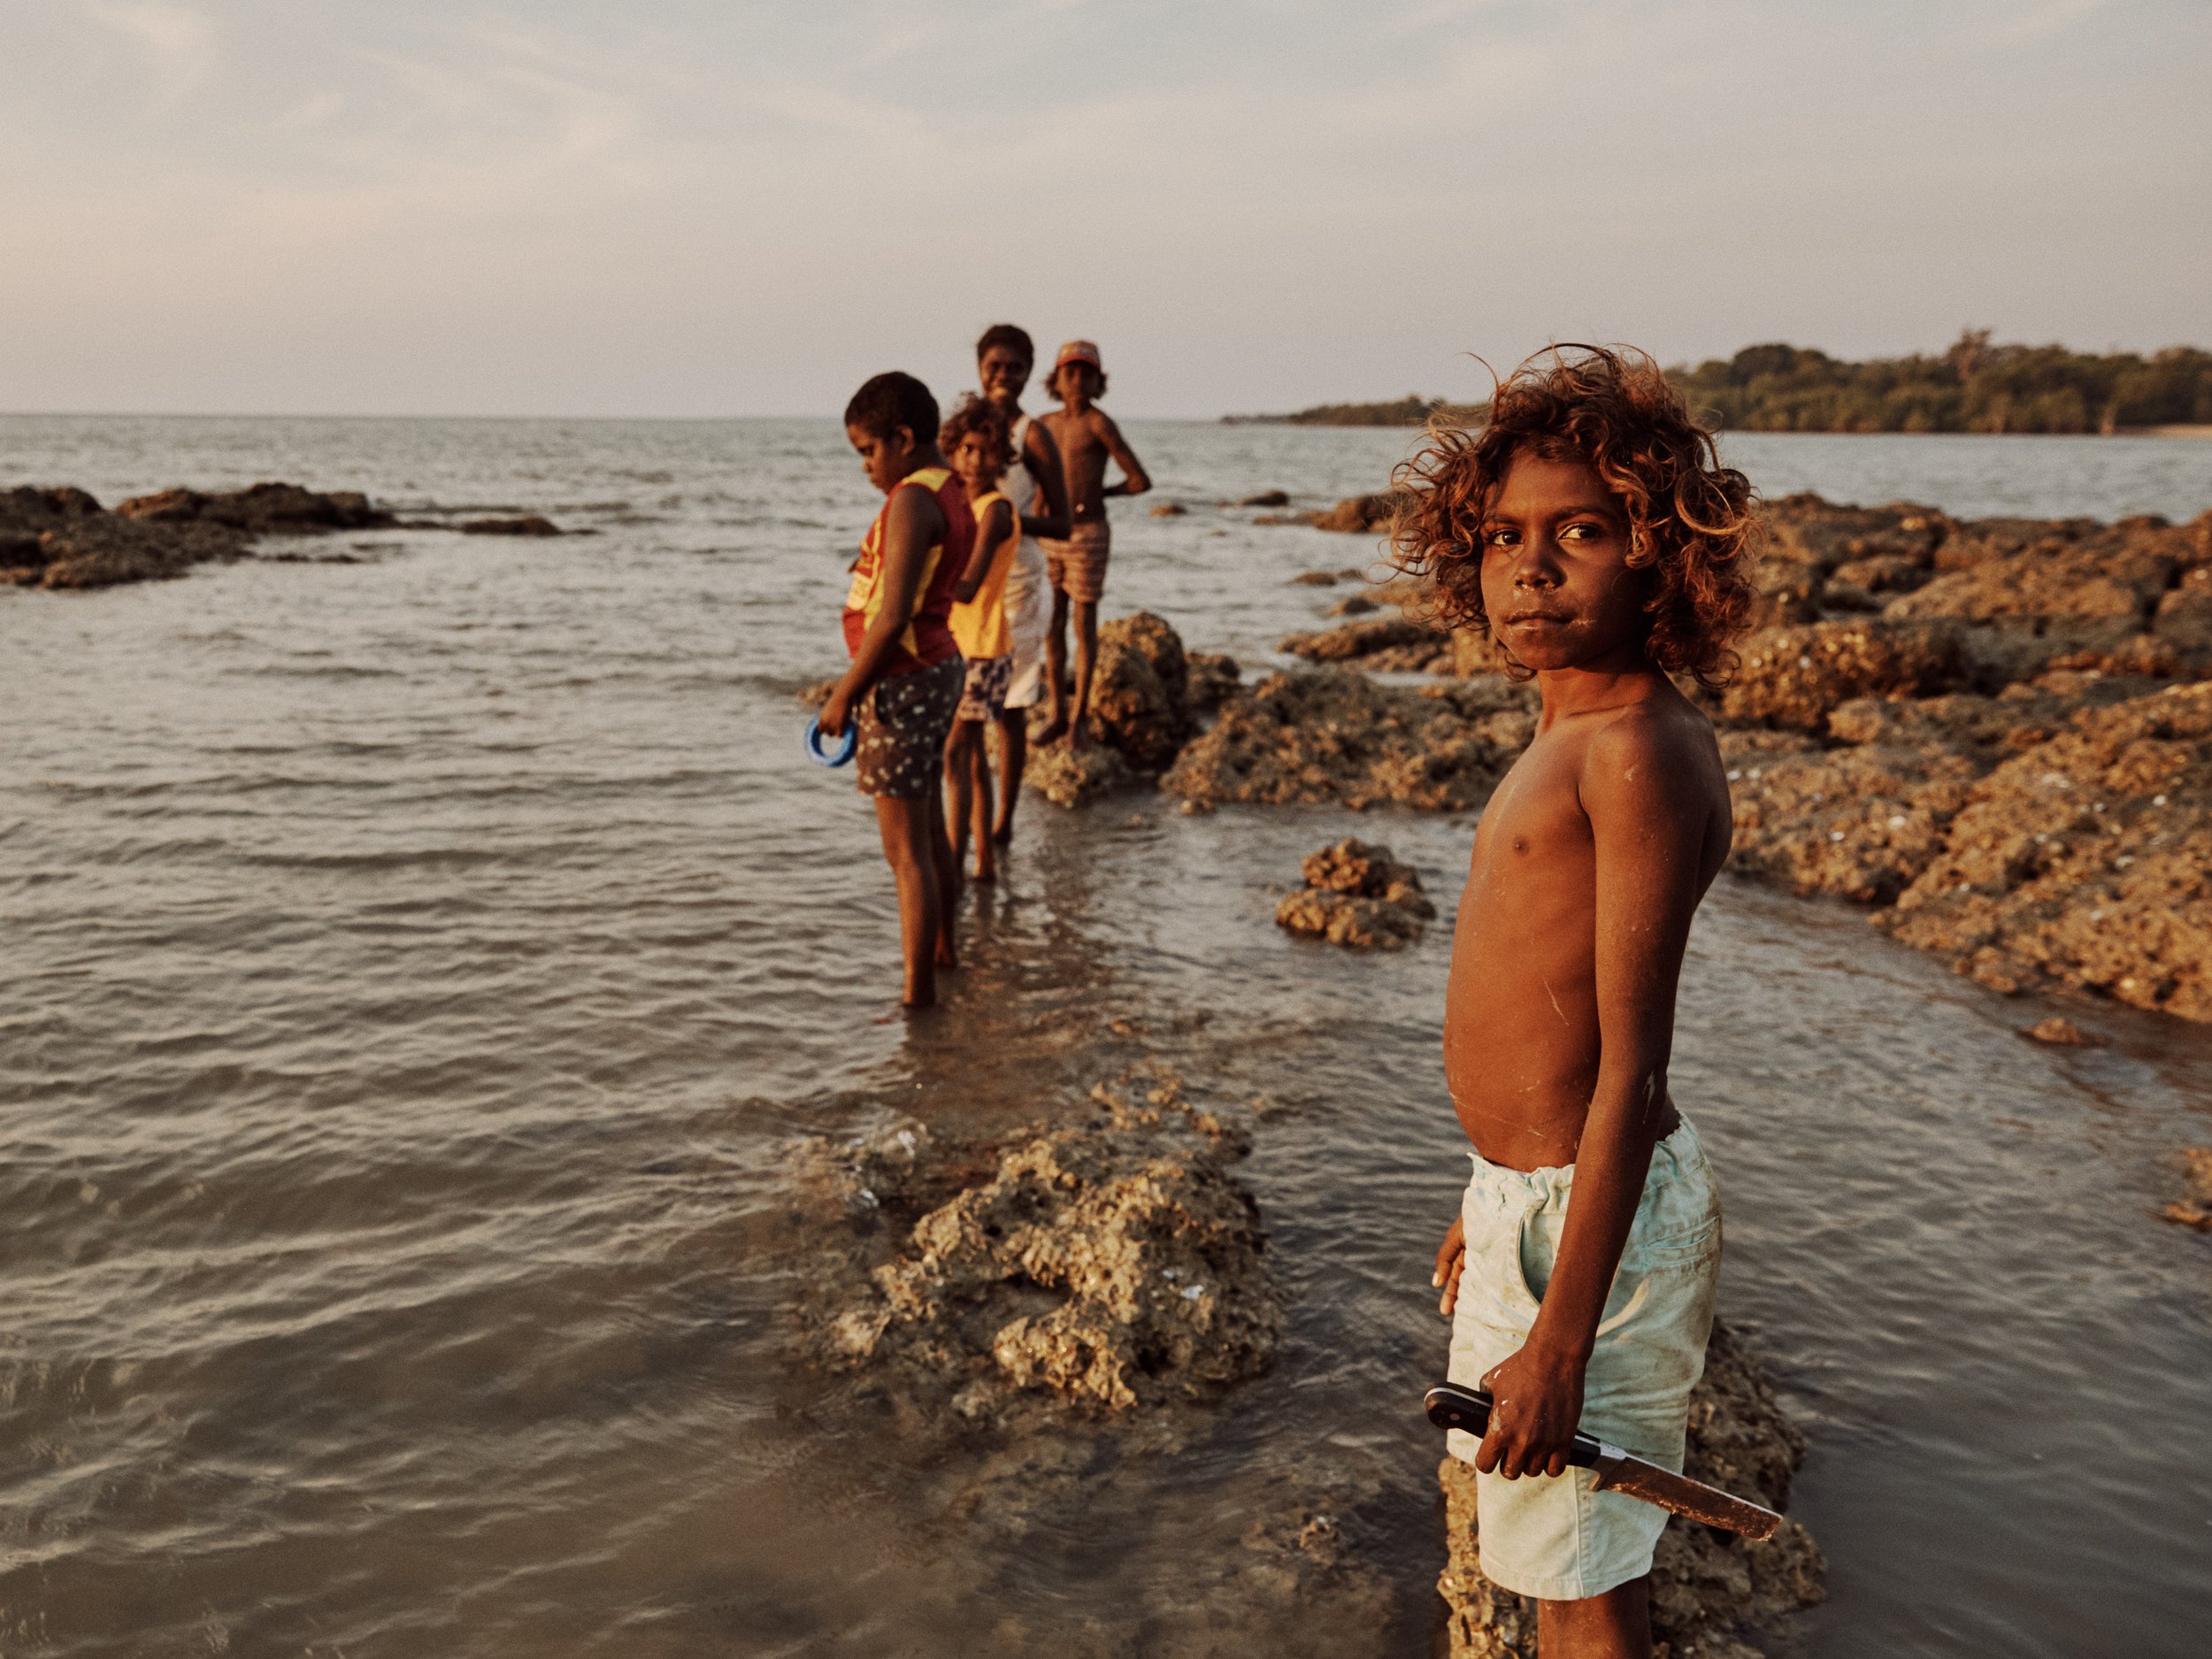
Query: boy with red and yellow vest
[[906, 674]]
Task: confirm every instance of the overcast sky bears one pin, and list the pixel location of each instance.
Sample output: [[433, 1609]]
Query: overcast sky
[[678, 208]]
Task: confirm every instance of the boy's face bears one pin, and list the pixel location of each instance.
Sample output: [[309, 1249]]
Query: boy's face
[[1556, 577], [885, 459], [1072, 381], [1004, 372], [972, 459]]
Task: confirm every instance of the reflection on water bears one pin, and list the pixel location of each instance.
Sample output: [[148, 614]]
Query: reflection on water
[[428, 975]]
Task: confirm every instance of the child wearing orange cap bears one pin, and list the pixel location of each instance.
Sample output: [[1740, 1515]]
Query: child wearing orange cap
[[1087, 438]]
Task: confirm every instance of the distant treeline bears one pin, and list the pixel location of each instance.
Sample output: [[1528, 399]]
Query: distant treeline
[[1408, 410], [1974, 387]]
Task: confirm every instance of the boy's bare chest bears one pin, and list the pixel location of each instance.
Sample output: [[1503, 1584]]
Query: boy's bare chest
[[1534, 827]]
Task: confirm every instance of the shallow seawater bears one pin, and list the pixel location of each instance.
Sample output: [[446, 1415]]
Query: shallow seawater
[[433, 979]]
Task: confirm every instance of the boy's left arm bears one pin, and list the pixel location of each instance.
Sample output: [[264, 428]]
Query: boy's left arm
[[1134, 479], [1648, 817]]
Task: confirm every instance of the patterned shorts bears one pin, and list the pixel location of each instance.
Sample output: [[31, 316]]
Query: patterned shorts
[[984, 697], [905, 721]]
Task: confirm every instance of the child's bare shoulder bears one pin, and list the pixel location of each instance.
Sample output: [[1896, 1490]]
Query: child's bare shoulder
[[1650, 751]]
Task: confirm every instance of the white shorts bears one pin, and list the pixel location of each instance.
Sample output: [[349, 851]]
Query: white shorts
[[1554, 1536], [1028, 603]]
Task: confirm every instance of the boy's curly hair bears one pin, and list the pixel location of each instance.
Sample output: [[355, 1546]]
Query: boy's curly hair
[[972, 417], [1691, 519]]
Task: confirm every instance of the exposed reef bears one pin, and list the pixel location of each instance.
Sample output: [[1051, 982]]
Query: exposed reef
[[1714, 1595], [1358, 894], [62, 539], [1102, 1265]]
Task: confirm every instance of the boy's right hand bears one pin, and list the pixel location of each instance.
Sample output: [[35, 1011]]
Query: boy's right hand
[[1451, 1256], [836, 708]]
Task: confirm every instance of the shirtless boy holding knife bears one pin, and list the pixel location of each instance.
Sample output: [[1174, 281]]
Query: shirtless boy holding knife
[[1591, 529]]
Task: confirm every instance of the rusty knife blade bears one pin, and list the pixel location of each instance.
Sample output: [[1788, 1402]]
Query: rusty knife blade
[[1618, 1471]]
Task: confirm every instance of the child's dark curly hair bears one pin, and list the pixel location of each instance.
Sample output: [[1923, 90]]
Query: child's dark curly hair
[[1691, 519], [973, 417]]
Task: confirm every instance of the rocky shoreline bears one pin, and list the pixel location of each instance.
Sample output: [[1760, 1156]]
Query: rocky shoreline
[[1995, 734]]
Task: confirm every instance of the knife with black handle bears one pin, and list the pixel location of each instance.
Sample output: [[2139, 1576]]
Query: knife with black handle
[[1453, 1407]]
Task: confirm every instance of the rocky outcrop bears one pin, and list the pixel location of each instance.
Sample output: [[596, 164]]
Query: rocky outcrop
[[1104, 1265], [1792, 676], [529, 524], [2085, 862], [1141, 691], [1330, 734], [1712, 1594], [1358, 896], [62, 539], [1859, 824], [1380, 644], [260, 509], [1359, 514]]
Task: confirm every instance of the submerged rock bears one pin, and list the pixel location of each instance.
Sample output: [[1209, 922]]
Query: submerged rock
[[2085, 862], [1712, 1593], [529, 524], [1358, 896], [1330, 734], [1072, 776], [2196, 1209], [2060, 1033], [1107, 1265]]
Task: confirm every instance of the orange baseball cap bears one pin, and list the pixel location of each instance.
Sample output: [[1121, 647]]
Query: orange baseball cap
[[1079, 351]]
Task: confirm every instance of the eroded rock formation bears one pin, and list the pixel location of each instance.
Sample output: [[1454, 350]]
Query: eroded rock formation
[[1358, 894], [1103, 1264], [1330, 734]]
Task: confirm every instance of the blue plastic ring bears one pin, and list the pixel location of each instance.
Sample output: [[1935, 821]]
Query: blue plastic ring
[[846, 743]]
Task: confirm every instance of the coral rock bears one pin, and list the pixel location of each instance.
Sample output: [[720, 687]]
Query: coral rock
[[1793, 677], [1390, 643], [1141, 691], [1072, 776], [1211, 679], [1358, 894], [1859, 824], [1111, 1265], [2085, 861], [1330, 734]]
